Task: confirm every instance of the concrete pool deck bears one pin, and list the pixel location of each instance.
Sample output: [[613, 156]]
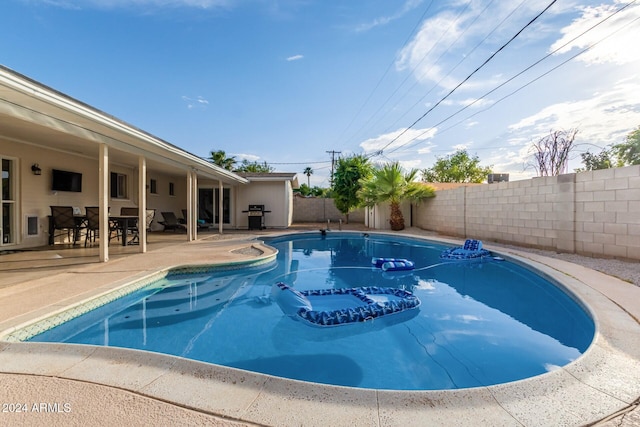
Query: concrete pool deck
[[57, 384]]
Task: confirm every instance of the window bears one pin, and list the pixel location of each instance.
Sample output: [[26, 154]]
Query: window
[[118, 186], [153, 187], [172, 189]]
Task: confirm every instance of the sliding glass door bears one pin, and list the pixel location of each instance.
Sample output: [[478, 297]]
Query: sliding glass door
[[8, 202], [208, 202]]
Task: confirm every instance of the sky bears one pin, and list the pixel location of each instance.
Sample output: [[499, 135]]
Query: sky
[[297, 83]]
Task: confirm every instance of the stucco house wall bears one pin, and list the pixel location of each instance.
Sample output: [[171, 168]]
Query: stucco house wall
[[35, 195], [377, 217], [276, 196]]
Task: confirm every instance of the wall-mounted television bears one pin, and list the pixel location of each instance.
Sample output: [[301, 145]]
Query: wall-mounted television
[[66, 181]]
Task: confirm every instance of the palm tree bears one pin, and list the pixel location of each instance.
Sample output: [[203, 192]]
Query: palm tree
[[220, 158], [389, 184], [308, 171]]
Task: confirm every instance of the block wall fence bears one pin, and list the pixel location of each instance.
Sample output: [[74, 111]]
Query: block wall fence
[[595, 213], [318, 209]]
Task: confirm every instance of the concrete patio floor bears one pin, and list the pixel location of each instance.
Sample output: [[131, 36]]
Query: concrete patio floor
[[57, 384]]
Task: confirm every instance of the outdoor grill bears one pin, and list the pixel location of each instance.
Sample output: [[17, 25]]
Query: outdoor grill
[[256, 217]]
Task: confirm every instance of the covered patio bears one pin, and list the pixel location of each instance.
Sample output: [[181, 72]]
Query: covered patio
[[118, 164]]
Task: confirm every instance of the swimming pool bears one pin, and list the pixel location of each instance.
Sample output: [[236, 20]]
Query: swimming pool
[[479, 324]]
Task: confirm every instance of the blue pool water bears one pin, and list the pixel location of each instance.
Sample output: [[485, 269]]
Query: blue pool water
[[479, 324]]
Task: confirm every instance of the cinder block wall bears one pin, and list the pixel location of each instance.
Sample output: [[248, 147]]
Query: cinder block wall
[[593, 213], [318, 209], [608, 212]]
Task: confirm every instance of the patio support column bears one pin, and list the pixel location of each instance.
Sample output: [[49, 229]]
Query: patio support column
[[220, 206], [103, 201], [190, 225], [142, 203], [193, 208]]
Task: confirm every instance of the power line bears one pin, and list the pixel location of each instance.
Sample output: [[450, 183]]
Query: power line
[[525, 70], [464, 57], [385, 73], [299, 163], [493, 55], [411, 71]]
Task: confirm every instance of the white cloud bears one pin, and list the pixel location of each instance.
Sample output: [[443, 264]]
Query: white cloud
[[407, 165], [295, 58], [426, 150], [109, 4], [384, 20], [468, 102], [198, 102], [604, 118], [408, 137], [449, 36], [620, 48], [248, 157]]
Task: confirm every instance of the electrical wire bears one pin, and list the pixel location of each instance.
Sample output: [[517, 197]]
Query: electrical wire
[[493, 55], [410, 71], [522, 72], [385, 72], [465, 56]]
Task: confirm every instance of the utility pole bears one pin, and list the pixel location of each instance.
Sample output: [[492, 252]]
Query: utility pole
[[333, 161]]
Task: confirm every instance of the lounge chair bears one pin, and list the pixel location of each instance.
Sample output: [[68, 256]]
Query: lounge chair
[[201, 223], [171, 222]]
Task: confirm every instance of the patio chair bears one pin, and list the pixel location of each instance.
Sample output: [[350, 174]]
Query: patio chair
[[62, 218], [148, 219], [151, 215], [92, 224], [171, 222]]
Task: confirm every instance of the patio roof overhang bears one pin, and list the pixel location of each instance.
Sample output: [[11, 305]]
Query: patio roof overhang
[[271, 177], [33, 113]]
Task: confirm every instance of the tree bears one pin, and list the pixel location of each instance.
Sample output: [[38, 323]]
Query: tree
[[305, 190], [308, 171], [389, 184], [551, 153], [220, 158], [346, 181], [593, 162], [247, 166], [458, 167], [628, 153]]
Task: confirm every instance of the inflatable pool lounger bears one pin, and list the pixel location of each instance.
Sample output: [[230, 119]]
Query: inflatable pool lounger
[[472, 250], [392, 264], [336, 307]]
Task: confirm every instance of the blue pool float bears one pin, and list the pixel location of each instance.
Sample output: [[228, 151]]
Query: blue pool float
[[392, 264], [472, 250], [338, 307]]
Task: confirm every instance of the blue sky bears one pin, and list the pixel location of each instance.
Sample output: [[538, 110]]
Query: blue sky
[[287, 81]]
